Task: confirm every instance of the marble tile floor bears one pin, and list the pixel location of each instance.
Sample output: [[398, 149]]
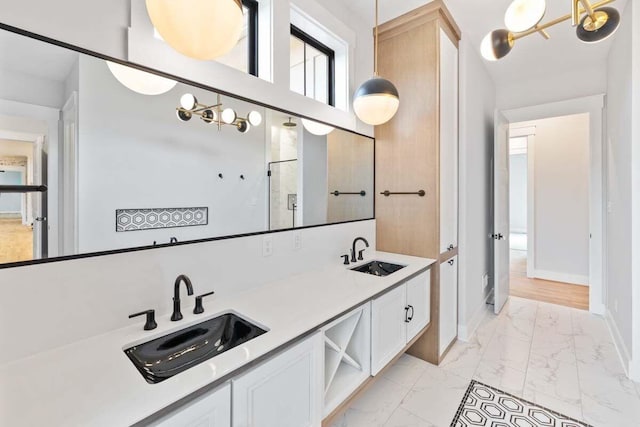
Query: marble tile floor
[[558, 357]]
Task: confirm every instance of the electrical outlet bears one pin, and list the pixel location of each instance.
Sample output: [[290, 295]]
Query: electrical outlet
[[297, 241], [267, 246]]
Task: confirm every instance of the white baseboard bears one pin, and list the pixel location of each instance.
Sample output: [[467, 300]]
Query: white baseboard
[[466, 332], [621, 348], [574, 279]]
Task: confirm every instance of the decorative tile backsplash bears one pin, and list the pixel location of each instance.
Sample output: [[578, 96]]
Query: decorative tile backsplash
[[149, 219]]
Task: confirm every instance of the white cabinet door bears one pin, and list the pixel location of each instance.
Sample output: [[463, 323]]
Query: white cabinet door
[[388, 330], [211, 410], [285, 391], [448, 302], [448, 144], [419, 303]]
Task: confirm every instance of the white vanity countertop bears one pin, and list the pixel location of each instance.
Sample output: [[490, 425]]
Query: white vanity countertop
[[93, 383]]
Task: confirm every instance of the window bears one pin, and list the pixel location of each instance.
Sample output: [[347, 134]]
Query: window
[[312, 67], [244, 56]]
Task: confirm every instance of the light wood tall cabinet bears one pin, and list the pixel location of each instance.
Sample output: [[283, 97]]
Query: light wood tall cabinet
[[418, 150]]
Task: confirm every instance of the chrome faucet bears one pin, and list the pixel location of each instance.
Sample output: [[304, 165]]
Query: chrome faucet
[[353, 249], [177, 315]]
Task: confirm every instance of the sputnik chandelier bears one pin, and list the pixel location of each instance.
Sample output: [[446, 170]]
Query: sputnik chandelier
[[189, 107], [523, 18]]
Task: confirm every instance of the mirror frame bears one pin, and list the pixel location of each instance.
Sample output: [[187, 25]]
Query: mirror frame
[[179, 79]]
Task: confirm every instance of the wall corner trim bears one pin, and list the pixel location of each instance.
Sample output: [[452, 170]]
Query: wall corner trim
[[467, 331]]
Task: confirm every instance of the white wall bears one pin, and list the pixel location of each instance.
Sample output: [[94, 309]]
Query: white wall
[[635, 176], [561, 186], [21, 87], [619, 143], [591, 80], [106, 30], [477, 106], [135, 153], [71, 300], [518, 193]]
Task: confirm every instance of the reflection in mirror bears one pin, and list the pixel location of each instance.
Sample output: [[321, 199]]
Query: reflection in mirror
[[97, 157]]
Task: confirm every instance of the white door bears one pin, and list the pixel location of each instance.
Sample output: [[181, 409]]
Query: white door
[[285, 391], [211, 410], [69, 193], [501, 212], [448, 303], [448, 144], [39, 200], [388, 327], [418, 303]]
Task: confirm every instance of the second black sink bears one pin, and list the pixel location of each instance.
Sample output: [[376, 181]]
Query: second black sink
[[167, 356], [378, 268]]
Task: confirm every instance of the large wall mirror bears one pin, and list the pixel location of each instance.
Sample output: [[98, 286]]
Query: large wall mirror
[[95, 157]]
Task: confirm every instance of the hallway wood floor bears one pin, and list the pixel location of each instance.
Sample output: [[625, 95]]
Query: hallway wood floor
[[16, 241], [566, 294]]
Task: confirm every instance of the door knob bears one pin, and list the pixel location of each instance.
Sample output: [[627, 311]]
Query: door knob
[[40, 218]]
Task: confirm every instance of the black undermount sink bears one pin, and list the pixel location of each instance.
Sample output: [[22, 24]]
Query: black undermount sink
[[378, 268], [171, 354]]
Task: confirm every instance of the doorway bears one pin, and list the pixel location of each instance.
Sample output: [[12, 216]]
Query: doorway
[[575, 216], [22, 202], [549, 210]]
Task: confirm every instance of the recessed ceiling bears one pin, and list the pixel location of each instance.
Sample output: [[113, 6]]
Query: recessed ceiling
[[532, 56]]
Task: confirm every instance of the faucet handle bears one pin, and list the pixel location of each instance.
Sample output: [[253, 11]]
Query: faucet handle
[[360, 257], [346, 259], [151, 319], [199, 308]]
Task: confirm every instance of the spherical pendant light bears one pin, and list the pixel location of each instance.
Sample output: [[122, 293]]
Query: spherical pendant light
[[497, 44], [243, 126], [317, 128], [254, 118], [200, 29], [188, 101], [376, 101], [605, 24], [524, 14], [228, 115], [140, 81]]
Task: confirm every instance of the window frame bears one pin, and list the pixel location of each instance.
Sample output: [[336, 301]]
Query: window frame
[[331, 68], [252, 36]]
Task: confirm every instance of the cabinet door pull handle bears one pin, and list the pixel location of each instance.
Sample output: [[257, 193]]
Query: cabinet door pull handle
[[450, 248], [451, 262], [406, 315], [411, 316]]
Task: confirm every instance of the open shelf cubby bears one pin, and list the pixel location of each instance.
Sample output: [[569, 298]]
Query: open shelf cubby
[[347, 355]]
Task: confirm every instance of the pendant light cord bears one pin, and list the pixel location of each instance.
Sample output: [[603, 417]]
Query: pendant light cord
[[375, 47]]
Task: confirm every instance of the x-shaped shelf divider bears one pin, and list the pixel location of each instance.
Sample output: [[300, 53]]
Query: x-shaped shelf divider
[[342, 352]]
